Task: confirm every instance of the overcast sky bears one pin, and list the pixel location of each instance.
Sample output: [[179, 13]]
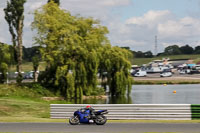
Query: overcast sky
[[132, 23]]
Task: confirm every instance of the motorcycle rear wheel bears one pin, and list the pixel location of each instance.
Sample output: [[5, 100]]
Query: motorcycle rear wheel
[[100, 120], [74, 120]]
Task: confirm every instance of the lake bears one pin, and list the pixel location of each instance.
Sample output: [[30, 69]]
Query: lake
[[156, 94]]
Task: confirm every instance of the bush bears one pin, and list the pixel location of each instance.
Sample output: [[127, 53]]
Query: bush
[[32, 90]]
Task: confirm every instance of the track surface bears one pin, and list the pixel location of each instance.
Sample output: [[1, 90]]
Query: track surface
[[107, 128]]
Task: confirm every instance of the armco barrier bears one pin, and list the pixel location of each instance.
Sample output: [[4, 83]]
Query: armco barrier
[[133, 111]]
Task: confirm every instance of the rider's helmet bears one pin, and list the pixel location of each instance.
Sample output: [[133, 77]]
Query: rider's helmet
[[88, 106]]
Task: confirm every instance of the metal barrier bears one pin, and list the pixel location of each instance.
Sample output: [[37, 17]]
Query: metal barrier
[[128, 111]]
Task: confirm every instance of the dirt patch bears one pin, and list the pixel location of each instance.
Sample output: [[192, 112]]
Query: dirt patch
[[95, 97], [4, 108], [52, 98], [62, 98]]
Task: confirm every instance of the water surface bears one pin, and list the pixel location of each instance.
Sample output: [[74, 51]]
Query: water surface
[[161, 94], [155, 94]]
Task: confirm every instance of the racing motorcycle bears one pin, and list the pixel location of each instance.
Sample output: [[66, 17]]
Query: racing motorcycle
[[85, 116]]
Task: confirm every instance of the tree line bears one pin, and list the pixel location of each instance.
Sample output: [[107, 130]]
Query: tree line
[[176, 50], [170, 50]]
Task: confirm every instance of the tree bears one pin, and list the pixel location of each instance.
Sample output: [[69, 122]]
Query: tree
[[55, 1], [36, 61], [4, 61], [139, 54], [172, 50], [127, 48], [15, 17], [73, 48], [115, 62], [148, 54], [29, 53], [197, 50], [187, 49], [68, 47]]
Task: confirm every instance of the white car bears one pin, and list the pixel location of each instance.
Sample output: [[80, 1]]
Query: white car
[[166, 74], [182, 72], [140, 73]]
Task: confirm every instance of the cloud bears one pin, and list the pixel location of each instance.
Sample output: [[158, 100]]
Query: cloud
[[89, 8], [137, 32], [101, 9], [4, 34], [115, 2], [35, 5], [151, 18], [186, 27], [169, 29], [131, 43], [165, 44], [1, 16]]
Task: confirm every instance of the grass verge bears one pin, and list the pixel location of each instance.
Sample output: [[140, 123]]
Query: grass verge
[[154, 121], [34, 119], [140, 61], [28, 66], [25, 104]]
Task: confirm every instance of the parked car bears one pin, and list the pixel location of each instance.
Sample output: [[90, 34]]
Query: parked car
[[194, 71], [166, 73], [140, 73], [182, 71], [15, 74], [28, 75], [133, 72]]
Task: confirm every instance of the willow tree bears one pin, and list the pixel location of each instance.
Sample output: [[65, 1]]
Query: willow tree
[[115, 62], [14, 15], [72, 46]]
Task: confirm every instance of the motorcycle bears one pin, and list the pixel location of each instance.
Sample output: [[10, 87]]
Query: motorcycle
[[84, 116]]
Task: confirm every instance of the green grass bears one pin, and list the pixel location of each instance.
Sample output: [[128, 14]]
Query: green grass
[[27, 90], [140, 61], [23, 107], [154, 121], [36, 119], [18, 109], [24, 102], [28, 66]]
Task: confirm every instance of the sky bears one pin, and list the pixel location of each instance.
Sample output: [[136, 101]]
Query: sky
[[131, 23]]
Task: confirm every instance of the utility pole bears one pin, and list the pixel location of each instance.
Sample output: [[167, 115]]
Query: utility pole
[[156, 46]]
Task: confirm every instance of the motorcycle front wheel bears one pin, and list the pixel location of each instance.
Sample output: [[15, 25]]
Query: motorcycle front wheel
[[74, 120], [100, 120]]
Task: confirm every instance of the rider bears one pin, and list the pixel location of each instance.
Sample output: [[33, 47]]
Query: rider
[[91, 110]]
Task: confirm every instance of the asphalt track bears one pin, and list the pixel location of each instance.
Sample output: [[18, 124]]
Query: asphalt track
[[107, 128]]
